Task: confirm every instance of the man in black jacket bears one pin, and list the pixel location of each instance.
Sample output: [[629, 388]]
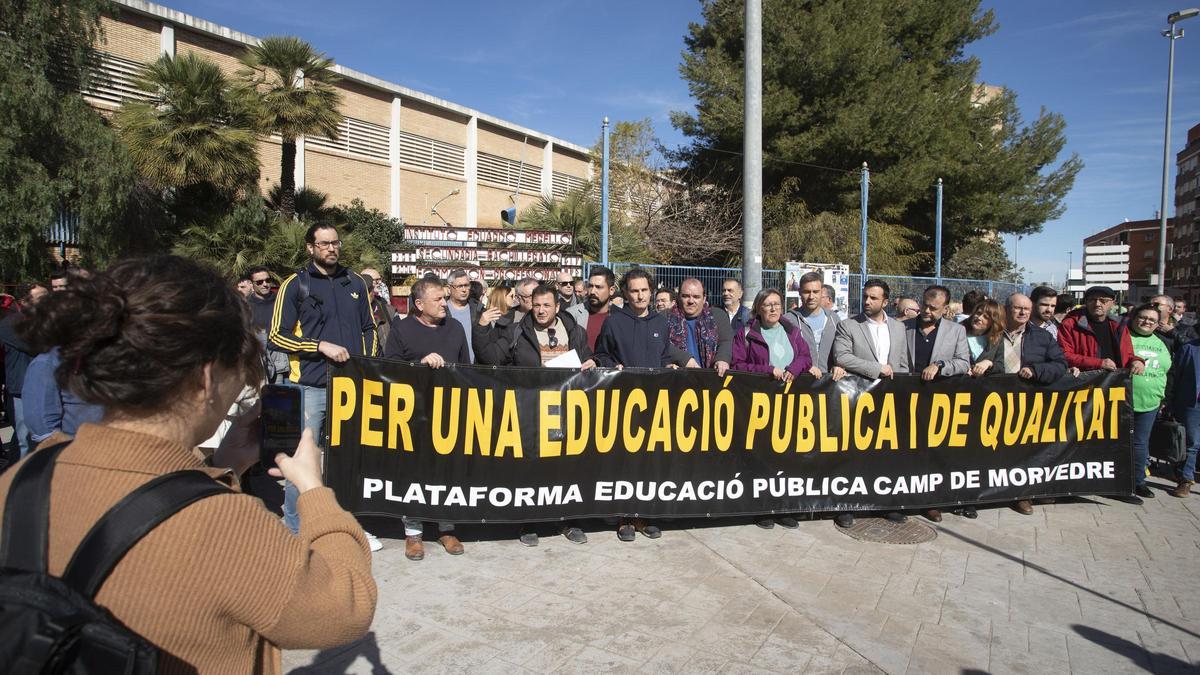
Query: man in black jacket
[[546, 332], [634, 336], [322, 316], [429, 336]]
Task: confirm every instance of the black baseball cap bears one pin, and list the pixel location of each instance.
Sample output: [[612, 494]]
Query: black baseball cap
[[1099, 292]]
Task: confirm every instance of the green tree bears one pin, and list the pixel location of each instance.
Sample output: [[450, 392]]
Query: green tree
[[310, 204], [192, 136], [296, 96], [233, 242], [792, 232], [983, 258], [370, 234], [882, 82], [56, 153]]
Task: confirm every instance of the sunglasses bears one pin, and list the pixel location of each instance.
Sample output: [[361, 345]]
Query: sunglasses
[[553, 340]]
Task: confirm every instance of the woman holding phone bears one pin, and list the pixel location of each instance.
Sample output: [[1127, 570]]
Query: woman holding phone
[[166, 346]]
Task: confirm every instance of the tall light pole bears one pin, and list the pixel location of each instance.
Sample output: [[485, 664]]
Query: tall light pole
[[604, 197], [1172, 34], [937, 246], [752, 164], [1070, 259]]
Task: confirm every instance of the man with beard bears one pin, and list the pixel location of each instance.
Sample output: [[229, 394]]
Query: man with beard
[[936, 346], [731, 298], [322, 317], [429, 336], [601, 285], [1045, 300], [817, 323]]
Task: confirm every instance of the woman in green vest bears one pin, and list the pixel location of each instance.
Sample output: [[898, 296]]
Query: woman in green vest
[[1149, 388]]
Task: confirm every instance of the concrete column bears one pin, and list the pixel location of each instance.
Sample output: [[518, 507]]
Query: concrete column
[[548, 170], [394, 158], [166, 39], [471, 172]]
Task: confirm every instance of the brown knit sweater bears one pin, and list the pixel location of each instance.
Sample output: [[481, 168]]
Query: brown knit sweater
[[221, 586]]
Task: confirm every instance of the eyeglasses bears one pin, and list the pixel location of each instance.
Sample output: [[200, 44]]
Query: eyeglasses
[[336, 243], [1147, 319], [261, 282], [466, 285], [552, 340], [773, 305]]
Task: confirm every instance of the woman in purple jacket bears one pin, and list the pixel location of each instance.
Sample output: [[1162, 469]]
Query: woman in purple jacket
[[771, 344]]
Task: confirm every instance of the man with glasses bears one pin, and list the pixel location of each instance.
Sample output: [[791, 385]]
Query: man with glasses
[[936, 347], [1092, 340], [322, 317], [262, 309], [492, 334], [566, 290], [907, 308], [463, 308]]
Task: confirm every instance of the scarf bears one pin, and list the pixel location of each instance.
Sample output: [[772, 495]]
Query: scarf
[[706, 334]]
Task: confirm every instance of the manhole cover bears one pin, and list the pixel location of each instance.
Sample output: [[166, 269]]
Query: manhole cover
[[884, 531]]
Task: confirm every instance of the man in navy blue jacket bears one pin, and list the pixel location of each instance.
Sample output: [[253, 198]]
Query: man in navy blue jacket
[[322, 316]]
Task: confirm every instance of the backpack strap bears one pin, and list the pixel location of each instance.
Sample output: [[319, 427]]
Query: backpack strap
[[132, 518], [25, 538]]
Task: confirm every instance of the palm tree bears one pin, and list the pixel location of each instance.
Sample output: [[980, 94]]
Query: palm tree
[[309, 204], [296, 96], [193, 129], [233, 242]]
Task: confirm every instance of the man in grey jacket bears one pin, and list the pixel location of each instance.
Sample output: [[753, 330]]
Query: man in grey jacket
[[936, 346], [817, 324], [871, 344]]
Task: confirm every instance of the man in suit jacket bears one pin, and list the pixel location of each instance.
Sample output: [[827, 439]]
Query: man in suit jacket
[[871, 344], [817, 324], [936, 346]]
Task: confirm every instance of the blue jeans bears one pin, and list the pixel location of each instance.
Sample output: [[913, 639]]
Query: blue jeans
[[1191, 422], [1143, 424], [20, 429], [313, 400]]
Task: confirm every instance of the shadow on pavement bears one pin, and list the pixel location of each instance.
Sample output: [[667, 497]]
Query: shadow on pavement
[[339, 659], [1064, 580], [1139, 655]]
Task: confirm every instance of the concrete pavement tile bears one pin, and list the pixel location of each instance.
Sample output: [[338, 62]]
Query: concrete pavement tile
[[496, 667], [738, 668], [1048, 643], [955, 615], [984, 563], [1115, 619], [705, 663], [782, 655], [989, 600], [841, 660], [943, 649], [734, 640], [592, 660], [672, 659], [1049, 605], [891, 648], [553, 655], [796, 632], [1166, 653]]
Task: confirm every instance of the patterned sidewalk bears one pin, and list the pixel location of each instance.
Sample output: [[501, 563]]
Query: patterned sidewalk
[[1088, 585]]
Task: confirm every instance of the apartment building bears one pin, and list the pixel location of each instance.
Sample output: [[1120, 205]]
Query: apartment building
[[1185, 266]]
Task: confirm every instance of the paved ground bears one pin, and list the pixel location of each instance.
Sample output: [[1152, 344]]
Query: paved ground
[[1087, 586]]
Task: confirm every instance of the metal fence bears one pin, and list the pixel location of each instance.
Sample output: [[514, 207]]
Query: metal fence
[[671, 276]]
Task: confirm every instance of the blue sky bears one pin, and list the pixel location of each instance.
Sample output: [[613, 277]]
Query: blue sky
[[559, 66]]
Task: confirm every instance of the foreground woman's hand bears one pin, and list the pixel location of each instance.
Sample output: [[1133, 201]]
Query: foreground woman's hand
[[302, 469]]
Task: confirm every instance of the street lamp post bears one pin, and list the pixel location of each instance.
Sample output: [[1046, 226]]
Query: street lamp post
[[1173, 35], [1070, 259]]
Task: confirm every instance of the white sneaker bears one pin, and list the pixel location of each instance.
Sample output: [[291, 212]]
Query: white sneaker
[[373, 542]]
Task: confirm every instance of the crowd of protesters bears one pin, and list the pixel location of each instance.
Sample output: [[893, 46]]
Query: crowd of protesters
[[155, 365]]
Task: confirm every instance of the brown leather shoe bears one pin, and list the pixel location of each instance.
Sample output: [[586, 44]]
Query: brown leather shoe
[[1183, 489], [413, 548], [451, 543], [933, 515], [1024, 507]]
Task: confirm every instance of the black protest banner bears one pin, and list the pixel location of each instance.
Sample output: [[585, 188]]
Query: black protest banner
[[467, 443]]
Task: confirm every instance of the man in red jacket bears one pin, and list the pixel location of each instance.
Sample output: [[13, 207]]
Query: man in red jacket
[[1092, 340]]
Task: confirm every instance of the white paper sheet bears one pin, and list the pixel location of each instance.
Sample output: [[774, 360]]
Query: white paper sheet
[[568, 360]]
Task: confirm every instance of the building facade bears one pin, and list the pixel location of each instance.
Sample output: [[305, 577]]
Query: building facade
[[1138, 263], [1186, 262], [399, 150]]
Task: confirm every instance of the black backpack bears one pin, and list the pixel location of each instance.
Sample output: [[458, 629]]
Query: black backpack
[[52, 624]]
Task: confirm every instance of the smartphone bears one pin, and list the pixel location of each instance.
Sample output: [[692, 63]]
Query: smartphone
[[282, 422]]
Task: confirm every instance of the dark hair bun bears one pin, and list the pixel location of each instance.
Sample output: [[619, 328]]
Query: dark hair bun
[[130, 338]]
